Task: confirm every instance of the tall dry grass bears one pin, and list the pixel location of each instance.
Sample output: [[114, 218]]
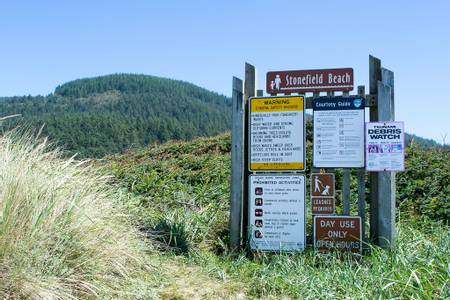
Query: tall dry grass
[[62, 232]]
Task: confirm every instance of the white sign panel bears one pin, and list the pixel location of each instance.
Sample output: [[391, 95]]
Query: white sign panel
[[338, 132], [277, 212], [277, 137], [385, 146]]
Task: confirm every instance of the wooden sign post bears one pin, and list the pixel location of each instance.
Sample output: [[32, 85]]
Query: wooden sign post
[[237, 165], [382, 184]]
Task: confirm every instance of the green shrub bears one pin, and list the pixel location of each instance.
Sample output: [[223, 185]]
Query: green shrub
[[189, 180], [424, 187]]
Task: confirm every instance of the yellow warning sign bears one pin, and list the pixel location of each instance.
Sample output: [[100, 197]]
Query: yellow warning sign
[[271, 104], [277, 133]]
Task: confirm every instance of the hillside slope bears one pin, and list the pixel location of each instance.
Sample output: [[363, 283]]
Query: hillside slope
[[108, 114], [180, 200]]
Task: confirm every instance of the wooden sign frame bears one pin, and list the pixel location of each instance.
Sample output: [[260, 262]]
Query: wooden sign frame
[[379, 100]]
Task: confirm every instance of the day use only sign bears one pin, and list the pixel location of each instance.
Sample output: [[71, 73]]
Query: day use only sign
[[277, 133], [277, 212], [338, 233], [385, 146]]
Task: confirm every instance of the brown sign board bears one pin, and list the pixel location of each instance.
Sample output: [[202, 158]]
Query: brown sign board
[[322, 205], [302, 81], [338, 233], [322, 185]]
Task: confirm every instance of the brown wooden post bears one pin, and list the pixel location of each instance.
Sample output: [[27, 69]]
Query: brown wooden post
[[249, 91], [386, 180], [382, 184], [237, 165], [374, 77]]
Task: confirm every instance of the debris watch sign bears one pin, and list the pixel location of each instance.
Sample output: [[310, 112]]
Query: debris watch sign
[[302, 81], [385, 146]]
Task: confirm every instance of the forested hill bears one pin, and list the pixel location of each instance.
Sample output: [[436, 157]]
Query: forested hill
[[108, 114], [423, 142]]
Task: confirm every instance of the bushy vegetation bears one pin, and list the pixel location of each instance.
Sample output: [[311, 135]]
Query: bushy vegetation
[[181, 190], [424, 188], [109, 114], [63, 234], [179, 185]]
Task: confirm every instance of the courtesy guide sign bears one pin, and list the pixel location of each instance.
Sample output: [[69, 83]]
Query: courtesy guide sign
[[338, 132]]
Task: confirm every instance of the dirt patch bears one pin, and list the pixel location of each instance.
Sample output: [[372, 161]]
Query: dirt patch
[[182, 281]]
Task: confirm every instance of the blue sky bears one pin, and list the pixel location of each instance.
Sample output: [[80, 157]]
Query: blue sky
[[46, 43]]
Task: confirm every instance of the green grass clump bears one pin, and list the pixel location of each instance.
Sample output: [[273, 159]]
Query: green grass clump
[[62, 232], [170, 234]]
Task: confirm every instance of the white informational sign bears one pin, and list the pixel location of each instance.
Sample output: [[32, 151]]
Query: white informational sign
[[277, 133], [338, 132], [385, 146], [277, 212]]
